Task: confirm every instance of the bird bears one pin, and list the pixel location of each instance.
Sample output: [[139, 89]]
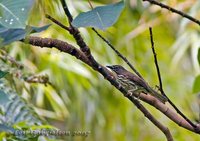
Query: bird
[[134, 84]]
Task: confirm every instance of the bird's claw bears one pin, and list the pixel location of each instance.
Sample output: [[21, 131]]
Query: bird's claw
[[129, 93]]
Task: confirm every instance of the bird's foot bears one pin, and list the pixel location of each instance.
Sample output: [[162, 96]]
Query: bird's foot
[[136, 94], [129, 93]]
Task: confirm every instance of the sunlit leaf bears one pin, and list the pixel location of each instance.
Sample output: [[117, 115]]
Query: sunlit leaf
[[196, 85], [100, 17], [14, 13]]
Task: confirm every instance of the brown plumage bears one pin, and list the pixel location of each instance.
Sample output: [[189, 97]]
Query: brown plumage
[[133, 83]]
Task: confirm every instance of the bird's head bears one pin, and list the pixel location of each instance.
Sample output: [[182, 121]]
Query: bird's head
[[117, 69]]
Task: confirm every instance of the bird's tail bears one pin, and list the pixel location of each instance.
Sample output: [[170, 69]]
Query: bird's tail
[[162, 98]]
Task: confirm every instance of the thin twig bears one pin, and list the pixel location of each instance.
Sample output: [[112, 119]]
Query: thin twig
[[72, 30], [174, 10], [79, 40], [160, 82], [57, 22], [155, 60], [118, 53], [115, 50], [90, 4], [43, 79], [69, 16]]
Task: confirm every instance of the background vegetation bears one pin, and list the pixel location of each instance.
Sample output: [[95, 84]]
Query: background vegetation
[[79, 99]]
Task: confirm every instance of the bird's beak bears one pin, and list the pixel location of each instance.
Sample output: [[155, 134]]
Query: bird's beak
[[110, 67], [111, 70]]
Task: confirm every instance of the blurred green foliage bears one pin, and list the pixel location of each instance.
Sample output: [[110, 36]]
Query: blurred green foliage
[[79, 99]]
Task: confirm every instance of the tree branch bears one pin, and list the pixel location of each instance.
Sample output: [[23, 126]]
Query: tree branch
[[172, 115], [69, 16], [67, 48], [60, 45], [70, 49], [96, 66], [174, 10], [147, 114], [84, 54]]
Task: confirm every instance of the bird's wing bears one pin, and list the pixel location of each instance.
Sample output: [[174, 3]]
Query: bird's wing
[[137, 80]]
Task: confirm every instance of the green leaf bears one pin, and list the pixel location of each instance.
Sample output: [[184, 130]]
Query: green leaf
[[14, 13], [198, 57], [196, 85], [10, 35], [3, 98], [100, 17], [6, 128], [2, 74]]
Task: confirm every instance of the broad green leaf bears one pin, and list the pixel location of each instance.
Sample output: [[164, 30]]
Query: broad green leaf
[[10, 35], [2, 74], [3, 98], [196, 85], [100, 17], [198, 57], [14, 13]]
